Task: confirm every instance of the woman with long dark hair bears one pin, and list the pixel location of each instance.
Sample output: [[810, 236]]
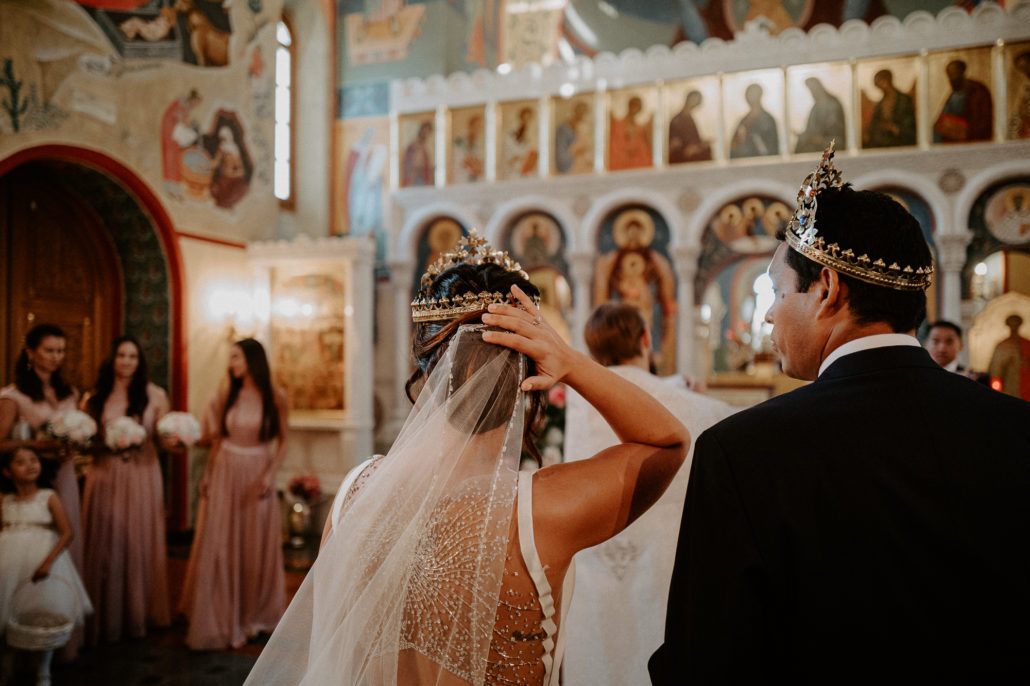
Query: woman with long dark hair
[[123, 504], [442, 564], [38, 392], [235, 587]]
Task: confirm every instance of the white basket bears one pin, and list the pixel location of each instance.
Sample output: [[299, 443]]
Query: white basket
[[38, 629]]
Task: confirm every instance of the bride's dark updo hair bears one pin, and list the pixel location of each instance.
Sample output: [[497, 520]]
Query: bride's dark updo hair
[[431, 339]]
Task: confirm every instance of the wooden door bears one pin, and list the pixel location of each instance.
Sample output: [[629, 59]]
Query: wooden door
[[58, 267]]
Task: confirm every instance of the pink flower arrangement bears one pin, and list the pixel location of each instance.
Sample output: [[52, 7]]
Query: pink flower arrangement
[[306, 487], [556, 396]]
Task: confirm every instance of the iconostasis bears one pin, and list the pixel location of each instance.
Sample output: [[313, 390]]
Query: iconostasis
[[662, 178]]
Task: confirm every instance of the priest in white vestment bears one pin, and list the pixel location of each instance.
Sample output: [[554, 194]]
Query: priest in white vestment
[[617, 615]]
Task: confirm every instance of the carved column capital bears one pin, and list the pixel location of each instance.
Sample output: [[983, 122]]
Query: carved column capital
[[951, 251], [581, 264], [684, 258]]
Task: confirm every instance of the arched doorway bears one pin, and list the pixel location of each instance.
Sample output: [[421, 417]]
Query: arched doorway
[[107, 244]]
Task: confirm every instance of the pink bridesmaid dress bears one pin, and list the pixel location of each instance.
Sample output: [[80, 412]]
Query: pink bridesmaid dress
[[235, 587], [35, 414], [126, 563]]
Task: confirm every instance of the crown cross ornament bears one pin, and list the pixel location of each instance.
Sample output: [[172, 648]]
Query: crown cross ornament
[[803, 237], [471, 249]]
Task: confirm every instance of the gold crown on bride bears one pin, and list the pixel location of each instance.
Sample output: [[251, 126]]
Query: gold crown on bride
[[803, 237], [471, 249]]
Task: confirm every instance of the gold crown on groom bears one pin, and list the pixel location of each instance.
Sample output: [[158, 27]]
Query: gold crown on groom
[[803, 237], [471, 249]]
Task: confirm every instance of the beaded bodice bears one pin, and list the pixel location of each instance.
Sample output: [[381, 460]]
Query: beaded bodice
[[445, 610]]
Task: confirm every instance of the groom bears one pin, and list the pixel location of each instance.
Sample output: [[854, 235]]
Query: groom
[[875, 524]]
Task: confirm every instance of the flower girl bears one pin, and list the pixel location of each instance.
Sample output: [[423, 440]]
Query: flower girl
[[34, 533]]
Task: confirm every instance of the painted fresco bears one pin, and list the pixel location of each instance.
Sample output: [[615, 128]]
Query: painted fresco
[[631, 128], [692, 110], [531, 34], [572, 133], [518, 152], [382, 31], [888, 101], [634, 267], [200, 166], [417, 150], [818, 106], [960, 95], [1000, 222], [1017, 65], [363, 152], [193, 31], [750, 100], [466, 145], [538, 243]]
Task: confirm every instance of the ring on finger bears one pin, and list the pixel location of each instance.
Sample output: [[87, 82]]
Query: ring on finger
[[537, 320]]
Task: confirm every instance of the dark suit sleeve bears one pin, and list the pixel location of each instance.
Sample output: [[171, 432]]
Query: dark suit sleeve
[[717, 627]]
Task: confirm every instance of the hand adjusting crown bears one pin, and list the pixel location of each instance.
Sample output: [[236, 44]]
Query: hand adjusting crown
[[472, 249], [803, 237]]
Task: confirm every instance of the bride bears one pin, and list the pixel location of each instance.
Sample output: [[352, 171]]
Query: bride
[[441, 562]]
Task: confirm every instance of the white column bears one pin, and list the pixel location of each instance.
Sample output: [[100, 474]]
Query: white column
[[685, 262], [582, 266], [360, 350], [400, 281], [951, 257]]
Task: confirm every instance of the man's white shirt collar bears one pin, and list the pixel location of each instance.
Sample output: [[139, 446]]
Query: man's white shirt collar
[[880, 340], [952, 366]]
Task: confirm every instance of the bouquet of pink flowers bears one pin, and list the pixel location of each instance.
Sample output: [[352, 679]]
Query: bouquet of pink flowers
[[124, 433], [72, 427], [306, 487], [180, 425]]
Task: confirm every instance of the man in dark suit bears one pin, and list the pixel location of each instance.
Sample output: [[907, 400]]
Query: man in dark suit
[[874, 525]]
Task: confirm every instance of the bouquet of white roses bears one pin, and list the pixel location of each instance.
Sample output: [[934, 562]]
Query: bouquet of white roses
[[180, 425], [72, 427], [124, 433]]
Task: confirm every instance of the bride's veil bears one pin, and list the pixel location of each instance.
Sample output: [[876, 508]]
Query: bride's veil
[[405, 589]]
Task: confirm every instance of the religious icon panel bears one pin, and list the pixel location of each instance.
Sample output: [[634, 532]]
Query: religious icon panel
[[692, 113], [753, 113], [537, 242], [1017, 80], [818, 106], [518, 139], [732, 287], [417, 149], [887, 101], [466, 151], [440, 235], [634, 267], [572, 134], [960, 99], [631, 128], [307, 331]]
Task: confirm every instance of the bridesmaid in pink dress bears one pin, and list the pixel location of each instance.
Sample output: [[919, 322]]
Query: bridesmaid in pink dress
[[126, 563], [37, 393], [235, 587]]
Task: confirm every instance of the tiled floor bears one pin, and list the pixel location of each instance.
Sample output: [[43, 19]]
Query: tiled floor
[[162, 658]]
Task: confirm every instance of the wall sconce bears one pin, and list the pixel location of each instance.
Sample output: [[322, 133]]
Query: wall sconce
[[234, 307]]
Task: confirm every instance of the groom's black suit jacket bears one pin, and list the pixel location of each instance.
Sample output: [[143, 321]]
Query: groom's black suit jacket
[[871, 526]]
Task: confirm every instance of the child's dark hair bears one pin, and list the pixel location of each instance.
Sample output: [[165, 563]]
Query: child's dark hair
[[46, 475], [430, 339]]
